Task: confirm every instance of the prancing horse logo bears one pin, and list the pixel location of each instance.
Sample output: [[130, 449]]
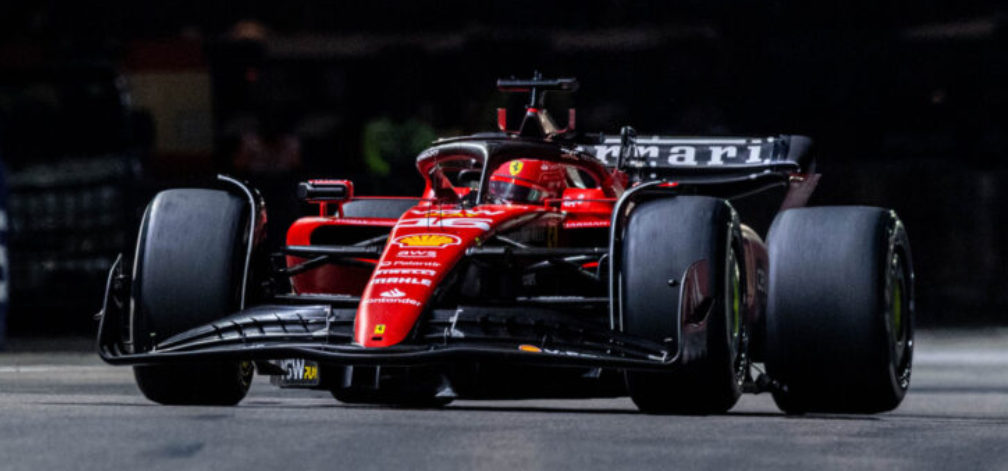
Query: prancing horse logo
[[516, 167]]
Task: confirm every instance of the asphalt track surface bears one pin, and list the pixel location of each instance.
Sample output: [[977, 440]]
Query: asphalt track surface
[[68, 411]]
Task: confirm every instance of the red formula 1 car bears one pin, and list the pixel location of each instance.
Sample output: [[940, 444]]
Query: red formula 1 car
[[535, 264]]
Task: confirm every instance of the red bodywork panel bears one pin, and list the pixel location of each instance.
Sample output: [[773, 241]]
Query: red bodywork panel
[[588, 207], [330, 278], [426, 243], [423, 247], [430, 239]]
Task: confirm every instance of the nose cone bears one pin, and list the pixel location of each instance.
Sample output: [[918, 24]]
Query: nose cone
[[423, 248], [400, 288]]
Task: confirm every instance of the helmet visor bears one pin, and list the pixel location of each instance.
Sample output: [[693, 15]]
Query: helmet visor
[[514, 193]]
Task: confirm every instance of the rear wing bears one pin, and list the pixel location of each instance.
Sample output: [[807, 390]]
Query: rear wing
[[673, 156], [758, 175]]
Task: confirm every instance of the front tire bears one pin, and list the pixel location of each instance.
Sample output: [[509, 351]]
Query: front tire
[[188, 272], [223, 384], [663, 238], [839, 310]]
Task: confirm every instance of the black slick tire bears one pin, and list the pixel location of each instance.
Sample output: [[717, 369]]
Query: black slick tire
[[839, 310], [188, 272], [663, 238]]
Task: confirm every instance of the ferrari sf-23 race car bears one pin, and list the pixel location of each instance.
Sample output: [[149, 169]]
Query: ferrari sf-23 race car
[[536, 264]]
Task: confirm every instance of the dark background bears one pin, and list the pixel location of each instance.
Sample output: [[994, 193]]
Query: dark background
[[103, 104]]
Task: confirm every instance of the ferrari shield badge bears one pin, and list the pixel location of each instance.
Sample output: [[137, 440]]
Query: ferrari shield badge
[[516, 167]]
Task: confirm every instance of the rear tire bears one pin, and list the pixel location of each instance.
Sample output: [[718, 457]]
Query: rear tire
[[188, 272], [839, 310], [663, 238]]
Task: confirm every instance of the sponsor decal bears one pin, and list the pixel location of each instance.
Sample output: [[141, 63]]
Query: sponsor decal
[[457, 213], [691, 152], [581, 224], [402, 280], [453, 222], [406, 271], [417, 254], [516, 167], [433, 241], [297, 372], [411, 302], [411, 263], [393, 293], [379, 329], [362, 222]]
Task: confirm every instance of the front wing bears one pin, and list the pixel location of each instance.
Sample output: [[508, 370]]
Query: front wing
[[323, 332]]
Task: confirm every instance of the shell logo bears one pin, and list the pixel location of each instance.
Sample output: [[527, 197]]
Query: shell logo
[[431, 241]]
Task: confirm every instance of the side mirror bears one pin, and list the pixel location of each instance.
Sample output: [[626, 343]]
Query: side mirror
[[323, 192], [314, 191]]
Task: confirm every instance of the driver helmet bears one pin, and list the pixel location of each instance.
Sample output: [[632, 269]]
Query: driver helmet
[[527, 181]]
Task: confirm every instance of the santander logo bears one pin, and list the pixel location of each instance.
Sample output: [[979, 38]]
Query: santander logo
[[393, 293]]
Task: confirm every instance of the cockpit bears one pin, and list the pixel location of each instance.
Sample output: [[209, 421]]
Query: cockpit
[[516, 181], [494, 172]]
